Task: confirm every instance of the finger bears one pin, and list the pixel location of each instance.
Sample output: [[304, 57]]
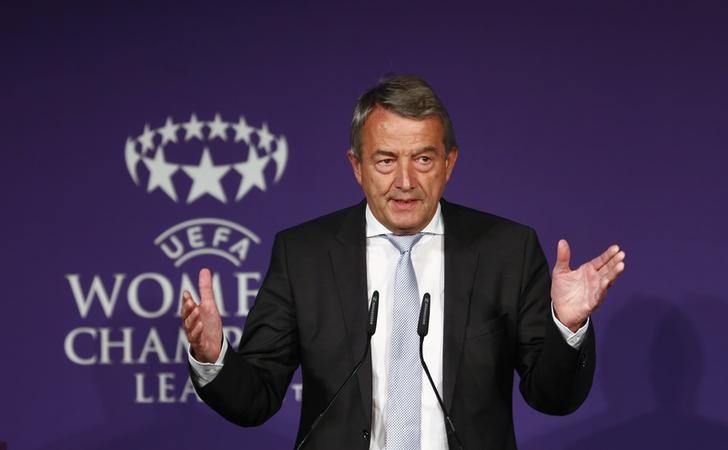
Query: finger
[[613, 262], [615, 273], [188, 305], [563, 255], [195, 335], [604, 258], [205, 285], [604, 284], [192, 320], [608, 279]]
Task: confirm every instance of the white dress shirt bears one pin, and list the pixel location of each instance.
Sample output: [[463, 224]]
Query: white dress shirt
[[428, 261]]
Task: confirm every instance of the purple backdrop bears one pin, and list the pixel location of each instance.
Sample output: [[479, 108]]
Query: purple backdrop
[[598, 123]]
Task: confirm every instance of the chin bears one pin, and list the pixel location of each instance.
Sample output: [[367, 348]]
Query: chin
[[407, 227]]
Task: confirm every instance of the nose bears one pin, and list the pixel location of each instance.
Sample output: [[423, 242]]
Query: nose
[[404, 177]]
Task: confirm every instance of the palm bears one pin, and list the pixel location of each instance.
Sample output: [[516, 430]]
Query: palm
[[202, 322], [211, 328], [577, 293]]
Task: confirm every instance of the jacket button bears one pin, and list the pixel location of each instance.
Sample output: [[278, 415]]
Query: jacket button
[[583, 362], [365, 434]]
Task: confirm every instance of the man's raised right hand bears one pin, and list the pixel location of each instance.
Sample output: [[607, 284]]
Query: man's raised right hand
[[202, 322]]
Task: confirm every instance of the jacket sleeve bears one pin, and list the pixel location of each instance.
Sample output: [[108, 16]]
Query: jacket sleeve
[[253, 381], [555, 378]]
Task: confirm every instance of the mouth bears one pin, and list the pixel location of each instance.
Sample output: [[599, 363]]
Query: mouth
[[404, 204]]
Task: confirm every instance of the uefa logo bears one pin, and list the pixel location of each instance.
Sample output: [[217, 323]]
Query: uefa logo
[[123, 317], [190, 160]]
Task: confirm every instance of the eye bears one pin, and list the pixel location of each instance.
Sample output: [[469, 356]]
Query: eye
[[385, 164], [423, 162]]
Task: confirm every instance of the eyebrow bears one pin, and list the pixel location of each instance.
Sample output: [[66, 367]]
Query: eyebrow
[[380, 152], [428, 149], [391, 154]]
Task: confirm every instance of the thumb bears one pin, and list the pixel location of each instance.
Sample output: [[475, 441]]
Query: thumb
[[205, 286], [563, 255]]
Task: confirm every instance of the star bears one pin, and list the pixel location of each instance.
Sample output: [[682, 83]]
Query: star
[[168, 131], [252, 173], [217, 128], [243, 131], [146, 139], [160, 174], [132, 158], [206, 178], [280, 156], [265, 138], [193, 128]]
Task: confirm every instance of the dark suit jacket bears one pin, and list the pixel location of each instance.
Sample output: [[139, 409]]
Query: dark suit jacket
[[311, 310]]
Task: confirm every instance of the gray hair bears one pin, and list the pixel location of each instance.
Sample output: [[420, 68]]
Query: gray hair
[[407, 95]]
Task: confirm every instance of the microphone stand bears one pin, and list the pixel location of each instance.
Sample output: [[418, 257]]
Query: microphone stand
[[423, 327]]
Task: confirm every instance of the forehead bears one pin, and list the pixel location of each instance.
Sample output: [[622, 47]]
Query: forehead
[[387, 130]]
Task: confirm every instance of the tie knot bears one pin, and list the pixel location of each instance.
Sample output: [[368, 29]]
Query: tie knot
[[403, 243]]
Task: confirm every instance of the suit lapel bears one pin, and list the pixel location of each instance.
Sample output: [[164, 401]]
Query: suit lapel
[[460, 266], [348, 262]]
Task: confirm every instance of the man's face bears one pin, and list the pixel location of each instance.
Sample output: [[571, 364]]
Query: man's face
[[403, 169]]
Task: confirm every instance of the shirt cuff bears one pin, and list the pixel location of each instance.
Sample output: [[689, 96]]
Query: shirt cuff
[[575, 340], [204, 373]]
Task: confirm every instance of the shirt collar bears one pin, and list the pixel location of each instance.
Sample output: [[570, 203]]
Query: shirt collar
[[376, 228]]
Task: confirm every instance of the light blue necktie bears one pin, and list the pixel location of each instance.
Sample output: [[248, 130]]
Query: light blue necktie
[[404, 378]]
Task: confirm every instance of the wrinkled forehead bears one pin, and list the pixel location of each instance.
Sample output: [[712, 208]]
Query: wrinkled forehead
[[389, 131]]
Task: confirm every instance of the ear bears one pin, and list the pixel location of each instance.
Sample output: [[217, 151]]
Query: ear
[[452, 157], [355, 165]]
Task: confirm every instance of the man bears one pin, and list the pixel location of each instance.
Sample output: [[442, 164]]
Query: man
[[494, 308]]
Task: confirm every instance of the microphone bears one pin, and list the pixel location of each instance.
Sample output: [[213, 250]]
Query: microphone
[[372, 317], [371, 328], [423, 327]]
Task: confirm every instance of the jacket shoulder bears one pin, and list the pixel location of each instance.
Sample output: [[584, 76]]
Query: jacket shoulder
[[471, 223], [349, 219]]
